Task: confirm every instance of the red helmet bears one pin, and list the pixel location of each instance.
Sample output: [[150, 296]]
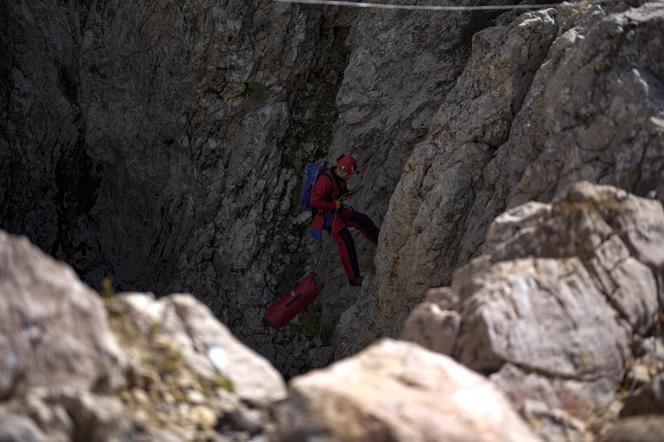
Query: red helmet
[[347, 164]]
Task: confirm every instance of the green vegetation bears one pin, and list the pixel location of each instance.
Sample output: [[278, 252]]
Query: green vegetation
[[224, 383], [310, 322], [107, 290]]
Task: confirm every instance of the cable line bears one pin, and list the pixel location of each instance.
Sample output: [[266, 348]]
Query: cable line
[[418, 7]]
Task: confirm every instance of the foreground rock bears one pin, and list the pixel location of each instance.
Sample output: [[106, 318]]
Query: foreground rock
[[636, 429], [558, 305], [398, 391], [74, 367], [47, 335], [206, 346], [176, 374]]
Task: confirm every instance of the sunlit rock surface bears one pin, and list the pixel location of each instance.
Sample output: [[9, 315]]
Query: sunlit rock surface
[[397, 391], [75, 367], [547, 99], [561, 309]]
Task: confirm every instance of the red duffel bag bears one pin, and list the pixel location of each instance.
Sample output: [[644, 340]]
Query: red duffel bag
[[293, 302]]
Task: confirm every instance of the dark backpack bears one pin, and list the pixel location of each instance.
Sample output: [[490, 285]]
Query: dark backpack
[[311, 172]]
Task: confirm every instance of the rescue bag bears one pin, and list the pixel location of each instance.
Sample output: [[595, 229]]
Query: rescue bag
[[311, 172], [293, 302]]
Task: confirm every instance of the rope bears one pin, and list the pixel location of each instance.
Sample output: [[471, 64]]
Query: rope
[[320, 258], [418, 7], [325, 251], [327, 268], [327, 263], [312, 184]]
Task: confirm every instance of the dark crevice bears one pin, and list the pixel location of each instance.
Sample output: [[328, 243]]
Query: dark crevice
[[552, 375], [75, 173]]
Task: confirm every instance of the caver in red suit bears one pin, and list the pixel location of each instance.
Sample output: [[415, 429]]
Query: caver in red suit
[[330, 214]]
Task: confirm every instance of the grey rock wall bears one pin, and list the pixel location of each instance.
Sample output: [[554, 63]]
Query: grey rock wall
[[158, 143], [161, 143], [43, 160], [74, 366], [194, 108], [400, 66], [547, 98]]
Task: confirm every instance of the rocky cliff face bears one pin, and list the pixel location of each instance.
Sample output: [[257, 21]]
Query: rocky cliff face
[[561, 309], [161, 143], [154, 143], [547, 98]]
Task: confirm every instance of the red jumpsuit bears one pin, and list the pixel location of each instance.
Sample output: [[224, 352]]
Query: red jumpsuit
[[328, 188]]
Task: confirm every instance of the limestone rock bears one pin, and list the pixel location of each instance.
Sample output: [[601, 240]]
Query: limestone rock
[[126, 367], [39, 405], [636, 429], [545, 315], [397, 391], [425, 219], [14, 428], [95, 418], [443, 297], [53, 329], [357, 326], [204, 417], [558, 303], [649, 399], [432, 327], [555, 425], [244, 419], [559, 405], [207, 346], [547, 99]]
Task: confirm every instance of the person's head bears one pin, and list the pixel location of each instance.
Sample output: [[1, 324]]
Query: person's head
[[346, 166]]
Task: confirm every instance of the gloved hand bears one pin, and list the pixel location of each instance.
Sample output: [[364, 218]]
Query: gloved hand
[[338, 204]]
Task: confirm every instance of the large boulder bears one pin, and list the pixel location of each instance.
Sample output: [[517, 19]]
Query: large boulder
[[53, 328], [558, 302], [76, 366], [434, 323], [206, 345], [397, 391], [636, 429]]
